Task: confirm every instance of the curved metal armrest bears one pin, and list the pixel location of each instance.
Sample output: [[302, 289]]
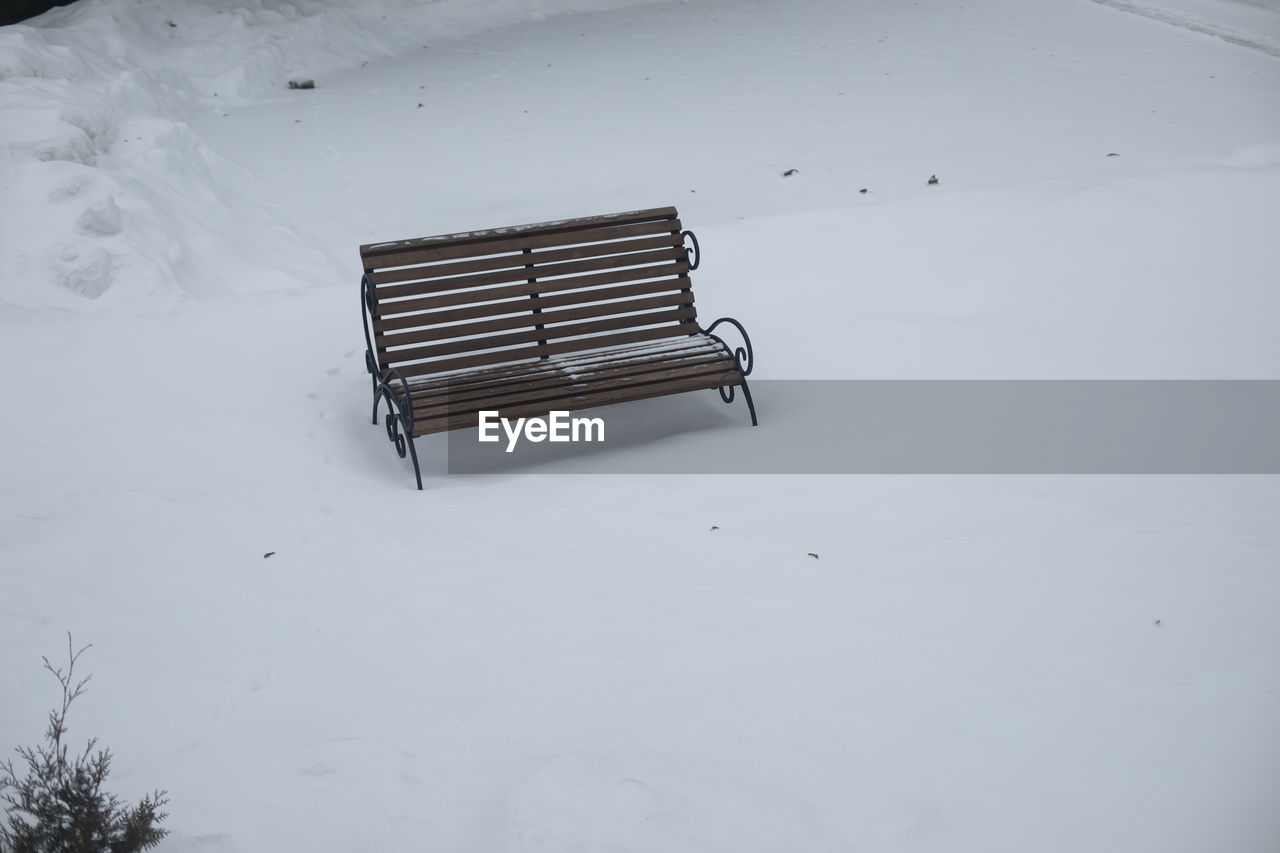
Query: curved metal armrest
[[697, 252], [403, 401], [368, 310], [744, 356], [399, 419]]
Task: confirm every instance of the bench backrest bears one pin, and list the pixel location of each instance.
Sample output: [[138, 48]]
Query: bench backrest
[[529, 291]]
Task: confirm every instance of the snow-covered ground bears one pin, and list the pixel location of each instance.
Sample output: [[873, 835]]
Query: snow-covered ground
[[546, 661]]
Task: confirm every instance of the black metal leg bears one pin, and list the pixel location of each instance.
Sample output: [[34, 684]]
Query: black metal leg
[[743, 357], [413, 454], [751, 406], [399, 419]]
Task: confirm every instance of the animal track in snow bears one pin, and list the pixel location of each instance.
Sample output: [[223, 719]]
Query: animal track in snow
[[101, 219], [83, 269], [70, 188]]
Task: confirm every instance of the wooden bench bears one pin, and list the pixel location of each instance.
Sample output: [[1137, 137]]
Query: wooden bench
[[531, 319]]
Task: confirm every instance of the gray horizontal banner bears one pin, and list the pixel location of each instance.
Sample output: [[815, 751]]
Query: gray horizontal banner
[[909, 427]]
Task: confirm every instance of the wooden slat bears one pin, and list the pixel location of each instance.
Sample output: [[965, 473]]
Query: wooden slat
[[533, 352], [583, 362], [498, 262], [579, 402], [515, 241], [506, 404], [625, 217], [524, 273], [554, 384], [469, 297], [563, 369], [571, 330], [529, 319], [520, 304]]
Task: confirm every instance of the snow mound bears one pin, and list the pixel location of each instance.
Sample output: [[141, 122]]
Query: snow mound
[[129, 208]]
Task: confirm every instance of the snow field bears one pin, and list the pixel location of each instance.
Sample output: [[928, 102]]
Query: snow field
[[551, 662]]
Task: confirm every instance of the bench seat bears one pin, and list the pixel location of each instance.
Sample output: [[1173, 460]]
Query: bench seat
[[583, 381]]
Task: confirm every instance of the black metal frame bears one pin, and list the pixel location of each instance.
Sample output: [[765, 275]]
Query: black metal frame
[[743, 357], [369, 310], [390, 384], [399, 417]]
